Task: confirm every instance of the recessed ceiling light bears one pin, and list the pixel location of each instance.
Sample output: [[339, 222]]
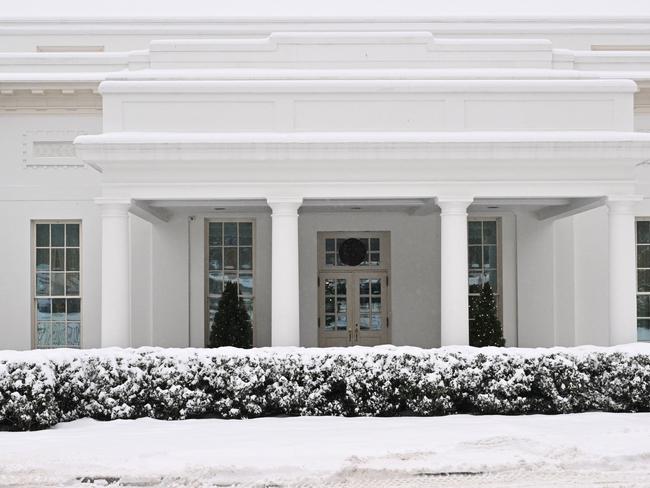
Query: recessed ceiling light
[[355, 208], [493, 206], [218, 209]]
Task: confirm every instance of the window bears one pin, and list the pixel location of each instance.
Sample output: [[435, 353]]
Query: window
[[483, 258], [230, 258], [643, 279], [57, 284], [370, 249]]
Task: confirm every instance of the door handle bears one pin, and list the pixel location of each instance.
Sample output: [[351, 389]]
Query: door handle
[[356, 332]]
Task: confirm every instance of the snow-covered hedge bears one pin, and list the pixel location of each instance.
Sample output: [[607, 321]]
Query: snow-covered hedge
[[40, 388]]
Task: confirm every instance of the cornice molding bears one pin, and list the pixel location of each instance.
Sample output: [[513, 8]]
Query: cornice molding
[[97, 150], [364, 86], [49, 100]]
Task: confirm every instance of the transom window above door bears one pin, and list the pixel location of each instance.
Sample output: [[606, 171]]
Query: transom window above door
[[345, 250]]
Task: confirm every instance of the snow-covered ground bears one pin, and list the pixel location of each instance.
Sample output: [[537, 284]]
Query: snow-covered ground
[[563, 450]]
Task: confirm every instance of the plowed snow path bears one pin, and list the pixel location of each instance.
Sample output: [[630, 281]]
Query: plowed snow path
[[482, 451]]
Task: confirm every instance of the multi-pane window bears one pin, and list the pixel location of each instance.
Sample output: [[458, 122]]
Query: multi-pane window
[[370, 303], [482, 253], [57, 284], [336, 304], [230, 258], [643, 280], [371, 244]]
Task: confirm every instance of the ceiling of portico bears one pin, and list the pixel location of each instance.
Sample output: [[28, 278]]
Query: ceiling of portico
[[543, 207]]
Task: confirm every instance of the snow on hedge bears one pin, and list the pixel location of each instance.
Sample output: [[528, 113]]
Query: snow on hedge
[[40, 388]]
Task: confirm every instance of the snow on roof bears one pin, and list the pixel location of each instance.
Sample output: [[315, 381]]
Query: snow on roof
[[335, 8]]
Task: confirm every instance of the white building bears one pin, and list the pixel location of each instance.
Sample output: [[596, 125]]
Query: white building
[[144, 163]]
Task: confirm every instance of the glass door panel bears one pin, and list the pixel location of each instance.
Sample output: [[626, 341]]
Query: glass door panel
[[334, 301], [353, 309], [371, 319]]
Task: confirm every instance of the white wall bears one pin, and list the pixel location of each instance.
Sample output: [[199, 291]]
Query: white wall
[[564, 282], [592, 275], [15, 262], [28, 194], [535, 275], [174, 258], [563, 279], [415, 272]]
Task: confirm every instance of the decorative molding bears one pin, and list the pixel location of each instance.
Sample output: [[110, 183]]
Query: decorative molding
[[256, 26], [51, 148], [50, 100], [112, 149], [69, 48], [370, 86]]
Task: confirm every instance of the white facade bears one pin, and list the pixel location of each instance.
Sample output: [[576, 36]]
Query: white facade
[[508, 151]]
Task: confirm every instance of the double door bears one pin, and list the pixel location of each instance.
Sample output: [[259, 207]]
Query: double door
[[353, 308]]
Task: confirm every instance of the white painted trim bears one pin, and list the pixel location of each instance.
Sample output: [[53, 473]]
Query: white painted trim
[[369, 86], [574, 207], [111, 149], [139, 25], [153, 215]]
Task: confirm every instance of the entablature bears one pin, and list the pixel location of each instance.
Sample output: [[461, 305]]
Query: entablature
[[367, 105]]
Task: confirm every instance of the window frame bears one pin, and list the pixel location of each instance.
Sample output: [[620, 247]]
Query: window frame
[[34, 297], [498, 293], [637, 293], [384, 250], [206, 269], [352, 274]]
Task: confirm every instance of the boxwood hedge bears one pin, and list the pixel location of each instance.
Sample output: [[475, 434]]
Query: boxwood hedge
[[39, 388]]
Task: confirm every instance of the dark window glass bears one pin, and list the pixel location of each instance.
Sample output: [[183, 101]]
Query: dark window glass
[[42, 235], [58, 237], [643, 231], [72, 235]]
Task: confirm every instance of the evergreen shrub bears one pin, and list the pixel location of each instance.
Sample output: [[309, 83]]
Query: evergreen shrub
[[40, 388]]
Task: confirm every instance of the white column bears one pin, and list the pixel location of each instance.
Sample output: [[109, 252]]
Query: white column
[[622, 272], [116, 309], [285, 288], [454, 302]]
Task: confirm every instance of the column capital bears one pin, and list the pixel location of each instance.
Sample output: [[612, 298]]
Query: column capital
[[622, 204], [456, 205], [115, 207], [284, 205]]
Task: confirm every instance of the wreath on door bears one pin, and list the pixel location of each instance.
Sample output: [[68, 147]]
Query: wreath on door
[[352, 252]]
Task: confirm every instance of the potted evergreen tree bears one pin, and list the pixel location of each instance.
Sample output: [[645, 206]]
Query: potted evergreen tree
[[485, 329], [231, 325]]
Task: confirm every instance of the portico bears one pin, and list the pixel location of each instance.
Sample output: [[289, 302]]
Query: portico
[[293, 154], [287, 248]]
